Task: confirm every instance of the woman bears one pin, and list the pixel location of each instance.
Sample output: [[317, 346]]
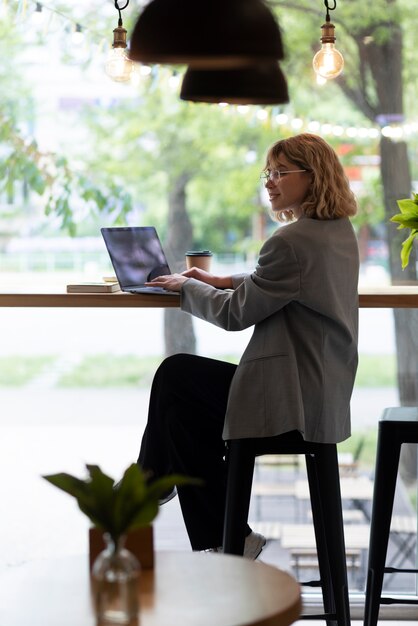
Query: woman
[[297, 372]]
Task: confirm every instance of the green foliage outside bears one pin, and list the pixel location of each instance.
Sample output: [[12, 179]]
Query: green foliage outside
[[376, 370], [16, 371], [114, 371], [135, 147], [219, 152], [109, 370], [364, 441]]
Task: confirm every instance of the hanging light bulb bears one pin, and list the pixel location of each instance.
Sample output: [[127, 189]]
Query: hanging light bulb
[[328, 62], [118, 66]]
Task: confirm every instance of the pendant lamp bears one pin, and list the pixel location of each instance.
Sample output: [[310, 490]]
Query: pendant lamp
[[328, 62], [206, 33], [257, 84]]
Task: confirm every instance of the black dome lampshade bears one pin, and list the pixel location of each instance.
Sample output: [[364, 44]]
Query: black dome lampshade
[[257, 84], [206, 33]]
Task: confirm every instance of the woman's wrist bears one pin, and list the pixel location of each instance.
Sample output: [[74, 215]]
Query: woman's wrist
[[224, 282]]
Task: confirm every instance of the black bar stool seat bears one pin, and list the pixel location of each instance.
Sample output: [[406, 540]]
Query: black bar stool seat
[[398, 425], [324, 487]]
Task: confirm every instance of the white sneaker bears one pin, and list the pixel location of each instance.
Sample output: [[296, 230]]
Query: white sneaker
[[254, 543], [213, 549]]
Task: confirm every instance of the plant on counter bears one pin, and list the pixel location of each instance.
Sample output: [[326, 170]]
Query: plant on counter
[[407, 218], [117, 508]]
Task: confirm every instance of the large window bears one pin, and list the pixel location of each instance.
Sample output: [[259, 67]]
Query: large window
[[78, 152]]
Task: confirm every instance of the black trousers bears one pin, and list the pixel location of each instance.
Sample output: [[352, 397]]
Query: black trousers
[[184, 435]]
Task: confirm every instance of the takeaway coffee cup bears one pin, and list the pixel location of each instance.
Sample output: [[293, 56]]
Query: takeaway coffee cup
[[199, 258]]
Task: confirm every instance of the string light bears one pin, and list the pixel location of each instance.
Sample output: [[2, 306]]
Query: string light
[[328, 62]]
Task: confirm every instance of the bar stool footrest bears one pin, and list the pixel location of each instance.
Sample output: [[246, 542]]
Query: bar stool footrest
[[398, 600], [311, 583], [319, 616], [396, 570]]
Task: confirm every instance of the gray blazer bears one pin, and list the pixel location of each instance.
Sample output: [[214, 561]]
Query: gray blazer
[[298, 370]]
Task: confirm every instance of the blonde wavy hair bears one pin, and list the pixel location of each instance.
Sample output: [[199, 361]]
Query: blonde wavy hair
[[329, 196]]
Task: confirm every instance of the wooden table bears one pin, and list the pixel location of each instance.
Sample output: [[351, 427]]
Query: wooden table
[[358, 490], [184, 589], [299, 540], [379, 297], [357, 536]]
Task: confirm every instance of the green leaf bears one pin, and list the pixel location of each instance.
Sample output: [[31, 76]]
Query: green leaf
[[407, 247], [86, 497], [405, 221], [408, 205], [131, 503]]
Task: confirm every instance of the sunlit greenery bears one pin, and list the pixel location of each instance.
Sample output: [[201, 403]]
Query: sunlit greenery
[[17, 371], [112, 370], [376, 370], [362, 445], [135, 146]]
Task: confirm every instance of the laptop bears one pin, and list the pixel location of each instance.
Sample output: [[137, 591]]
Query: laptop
[[137, 257]]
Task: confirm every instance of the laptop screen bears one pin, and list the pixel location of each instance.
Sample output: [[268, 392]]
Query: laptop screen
[[136, 254]]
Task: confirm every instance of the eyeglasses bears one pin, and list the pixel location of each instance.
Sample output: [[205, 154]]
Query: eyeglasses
[[275, 175]]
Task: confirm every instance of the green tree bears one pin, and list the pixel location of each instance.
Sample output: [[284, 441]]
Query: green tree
[[63, 189], [198, 160]]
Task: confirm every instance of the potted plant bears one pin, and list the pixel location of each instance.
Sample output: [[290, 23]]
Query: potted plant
[[116, 509], [407, 218]]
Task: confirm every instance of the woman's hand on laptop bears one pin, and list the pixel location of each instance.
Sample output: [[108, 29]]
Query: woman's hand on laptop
[[171, 282], [174, 282]]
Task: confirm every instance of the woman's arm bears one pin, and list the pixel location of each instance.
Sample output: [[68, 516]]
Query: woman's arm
[[220, 282], [274, 283], [174, 282]]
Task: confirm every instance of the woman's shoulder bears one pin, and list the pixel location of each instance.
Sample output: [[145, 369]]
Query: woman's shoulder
[[311, 226], [308, 233]]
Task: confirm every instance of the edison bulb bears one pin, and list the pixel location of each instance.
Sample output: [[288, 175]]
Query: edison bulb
[[118, 66], [328, 62]]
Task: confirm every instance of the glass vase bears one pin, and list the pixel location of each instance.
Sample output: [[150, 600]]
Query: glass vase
[[115, 577]]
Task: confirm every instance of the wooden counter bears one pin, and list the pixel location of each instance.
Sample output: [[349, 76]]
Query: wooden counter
[[369, 297], [85, 300], [390, 297]]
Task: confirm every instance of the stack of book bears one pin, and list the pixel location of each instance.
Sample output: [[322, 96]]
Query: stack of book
[[106, 286]]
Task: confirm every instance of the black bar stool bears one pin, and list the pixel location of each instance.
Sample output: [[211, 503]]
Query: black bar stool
[[397, 426], [324, 487]]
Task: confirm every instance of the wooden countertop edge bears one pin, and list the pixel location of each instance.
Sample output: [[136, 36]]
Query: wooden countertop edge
[[379, 297], [97, 300], [389, 298]]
